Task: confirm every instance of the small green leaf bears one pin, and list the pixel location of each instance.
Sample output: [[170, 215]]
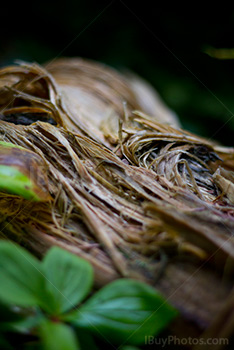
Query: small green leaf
[[20, 275], [23, 173], [13, 181], [69, 279], [11, 145], [57, 336], [124, 311]]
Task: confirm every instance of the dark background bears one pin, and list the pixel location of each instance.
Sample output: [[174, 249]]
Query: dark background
[[164, 45]]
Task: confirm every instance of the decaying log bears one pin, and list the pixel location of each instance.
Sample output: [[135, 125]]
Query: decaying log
[[133, 194]]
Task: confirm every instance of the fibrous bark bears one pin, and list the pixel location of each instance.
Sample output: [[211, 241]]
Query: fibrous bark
[[133, 194]]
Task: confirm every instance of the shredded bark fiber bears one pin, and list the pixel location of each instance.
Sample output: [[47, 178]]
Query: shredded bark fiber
[[133, 194]]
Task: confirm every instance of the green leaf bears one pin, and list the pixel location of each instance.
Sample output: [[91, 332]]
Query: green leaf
[[69, 279], [13, 181], [124, 311], [21, 279], [23, 173], [57, 336], [11, 145]]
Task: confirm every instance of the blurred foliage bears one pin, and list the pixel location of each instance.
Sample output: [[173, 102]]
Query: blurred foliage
[[167, 47]]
